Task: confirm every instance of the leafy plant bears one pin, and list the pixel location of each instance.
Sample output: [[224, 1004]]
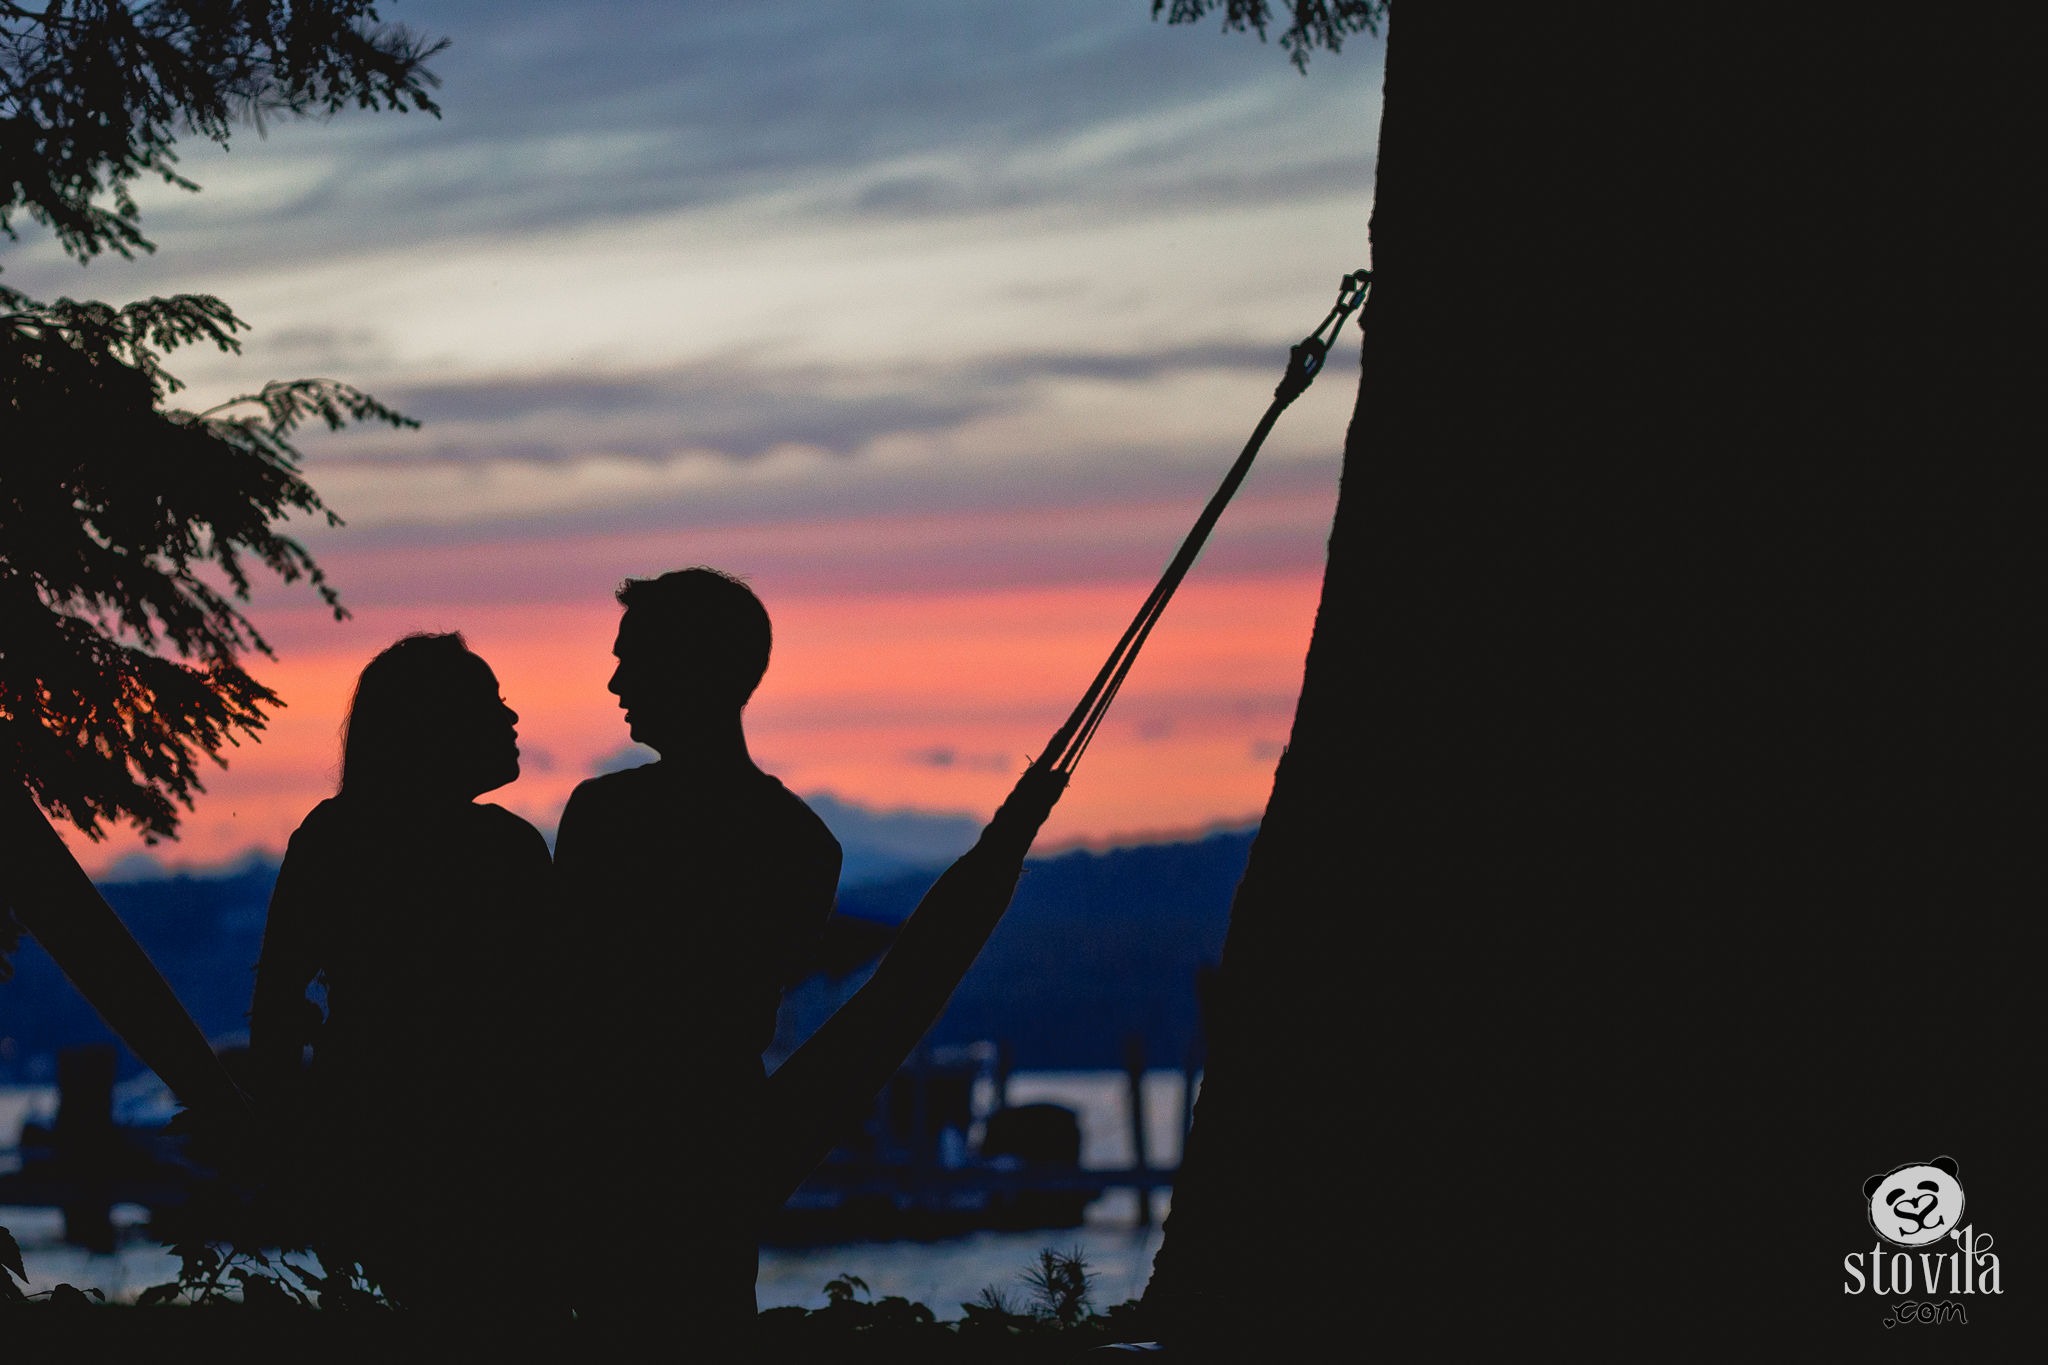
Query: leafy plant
[[849, 1302], [1060, 1285], [212, 1273], [67, 1296], [993, 1300], [11, 1268], [226, 1232], [843, 1291]]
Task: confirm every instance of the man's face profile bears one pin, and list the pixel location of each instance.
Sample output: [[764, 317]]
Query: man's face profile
[[662, 682]]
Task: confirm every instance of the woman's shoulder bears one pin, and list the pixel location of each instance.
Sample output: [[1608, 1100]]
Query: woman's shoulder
[[327, 852], [341, 823], [330, 822], [495, 823]]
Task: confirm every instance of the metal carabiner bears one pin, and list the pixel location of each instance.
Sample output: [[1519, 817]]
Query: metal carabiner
[[1305, 359]]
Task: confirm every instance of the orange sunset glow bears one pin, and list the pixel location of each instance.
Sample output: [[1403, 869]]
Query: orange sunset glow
[[927, 699]]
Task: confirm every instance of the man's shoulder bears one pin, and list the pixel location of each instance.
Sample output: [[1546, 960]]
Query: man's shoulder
[[624, 785], [798, 815], [808, 855], [760, 801]]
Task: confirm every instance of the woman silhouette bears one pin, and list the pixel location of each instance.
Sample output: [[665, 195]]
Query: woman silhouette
[[421, 910]]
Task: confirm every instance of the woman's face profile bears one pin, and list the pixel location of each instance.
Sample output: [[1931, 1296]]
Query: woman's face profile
[[484, 741], [428, 723]]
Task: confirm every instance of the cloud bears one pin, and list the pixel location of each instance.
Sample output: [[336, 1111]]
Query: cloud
[[891, 107], [1126, 367], [818, 521], [631, 756], [740, 411], [945, 756], [743, 406], [319, 347], [560, 117]]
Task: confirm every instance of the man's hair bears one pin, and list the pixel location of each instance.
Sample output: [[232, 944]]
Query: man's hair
[[713, 614]]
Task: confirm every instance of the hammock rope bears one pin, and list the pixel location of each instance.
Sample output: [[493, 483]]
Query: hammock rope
[[1304, 363], [820, 1092]]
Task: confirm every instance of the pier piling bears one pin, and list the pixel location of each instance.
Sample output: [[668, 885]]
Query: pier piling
[[1134, 1071]]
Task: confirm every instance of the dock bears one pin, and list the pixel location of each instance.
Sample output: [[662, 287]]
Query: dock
[[930, 1161]]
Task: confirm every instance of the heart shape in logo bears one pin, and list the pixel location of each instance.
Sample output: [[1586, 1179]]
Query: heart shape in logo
[[1917, 1207]]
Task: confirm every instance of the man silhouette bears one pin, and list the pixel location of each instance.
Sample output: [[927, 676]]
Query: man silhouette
[[696, 884]]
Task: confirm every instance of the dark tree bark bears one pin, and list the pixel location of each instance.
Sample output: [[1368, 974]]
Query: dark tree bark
[[1652, 860], [52, 898]]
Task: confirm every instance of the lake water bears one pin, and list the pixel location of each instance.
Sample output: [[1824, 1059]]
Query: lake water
[[940, 1274]]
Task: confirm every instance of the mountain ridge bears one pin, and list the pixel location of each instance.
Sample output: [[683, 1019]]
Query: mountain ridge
[[1150, 916]]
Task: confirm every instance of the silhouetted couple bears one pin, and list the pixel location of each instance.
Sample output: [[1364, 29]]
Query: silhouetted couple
[[623, 994]]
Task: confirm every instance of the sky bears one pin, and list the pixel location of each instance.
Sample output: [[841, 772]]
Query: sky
[[936, 320]]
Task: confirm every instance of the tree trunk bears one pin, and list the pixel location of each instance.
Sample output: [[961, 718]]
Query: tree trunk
[[1650, 846], [57, 903]]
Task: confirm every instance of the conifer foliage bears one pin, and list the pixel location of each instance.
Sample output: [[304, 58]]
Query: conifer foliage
[[92, 94], [1310, 23], [129, 528]]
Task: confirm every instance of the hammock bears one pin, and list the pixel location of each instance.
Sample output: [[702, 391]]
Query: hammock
[[831, 1079], [826, 1085]]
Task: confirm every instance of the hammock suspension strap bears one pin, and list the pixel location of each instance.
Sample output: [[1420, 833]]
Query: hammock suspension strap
[[1305, 361]]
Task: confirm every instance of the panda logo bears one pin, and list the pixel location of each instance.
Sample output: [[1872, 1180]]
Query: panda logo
[[1918, 1203]]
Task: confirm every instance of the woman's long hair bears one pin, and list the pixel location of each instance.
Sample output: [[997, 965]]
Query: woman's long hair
[[408, 704]]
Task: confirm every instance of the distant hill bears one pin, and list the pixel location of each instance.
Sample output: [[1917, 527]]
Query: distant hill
[[885, 843], [1096, 945], [876, 843]]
